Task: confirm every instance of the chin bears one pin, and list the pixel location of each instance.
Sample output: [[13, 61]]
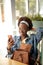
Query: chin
[[21, 34]]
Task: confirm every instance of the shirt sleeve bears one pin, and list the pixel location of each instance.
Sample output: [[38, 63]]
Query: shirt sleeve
[[39, 34], [14, 47]]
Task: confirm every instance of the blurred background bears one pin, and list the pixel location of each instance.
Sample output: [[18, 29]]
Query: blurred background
[[10, 11]]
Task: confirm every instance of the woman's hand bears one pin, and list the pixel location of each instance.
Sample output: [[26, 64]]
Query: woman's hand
[[10, 42], [34, 29]]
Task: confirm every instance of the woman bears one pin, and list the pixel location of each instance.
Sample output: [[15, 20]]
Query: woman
[[25, 25]]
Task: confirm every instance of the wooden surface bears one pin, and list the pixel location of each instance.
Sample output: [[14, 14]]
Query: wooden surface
[[6, 61]]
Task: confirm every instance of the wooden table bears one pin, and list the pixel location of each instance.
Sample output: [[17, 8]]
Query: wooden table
[[6, 61]]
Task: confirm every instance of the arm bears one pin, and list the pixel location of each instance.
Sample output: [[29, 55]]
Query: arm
[[39, 34], [10, 42], [14, 47]]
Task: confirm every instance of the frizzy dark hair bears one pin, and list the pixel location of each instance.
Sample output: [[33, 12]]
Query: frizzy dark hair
[[28, 20]]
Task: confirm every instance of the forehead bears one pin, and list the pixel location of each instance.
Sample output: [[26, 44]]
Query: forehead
[[22, 25]]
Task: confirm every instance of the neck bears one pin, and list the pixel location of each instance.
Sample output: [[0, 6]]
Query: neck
[[23, 37]]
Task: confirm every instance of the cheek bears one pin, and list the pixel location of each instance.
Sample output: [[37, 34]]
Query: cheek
[[20, 31]]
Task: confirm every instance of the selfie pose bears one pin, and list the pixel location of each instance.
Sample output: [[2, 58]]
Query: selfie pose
[[25, 25]]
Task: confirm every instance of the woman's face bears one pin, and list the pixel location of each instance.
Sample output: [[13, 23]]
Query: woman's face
[[23, 28]]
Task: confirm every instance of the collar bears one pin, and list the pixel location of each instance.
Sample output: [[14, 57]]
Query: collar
[[19, 37]]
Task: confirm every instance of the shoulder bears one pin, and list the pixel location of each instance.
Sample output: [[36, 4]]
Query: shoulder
[[32, 35], [30, 39]]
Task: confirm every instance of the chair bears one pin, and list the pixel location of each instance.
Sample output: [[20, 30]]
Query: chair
[[36, 61]]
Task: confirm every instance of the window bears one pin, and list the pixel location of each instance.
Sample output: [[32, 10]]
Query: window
[[2, 9], [32, 6], [20, 7], [5, 24]]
